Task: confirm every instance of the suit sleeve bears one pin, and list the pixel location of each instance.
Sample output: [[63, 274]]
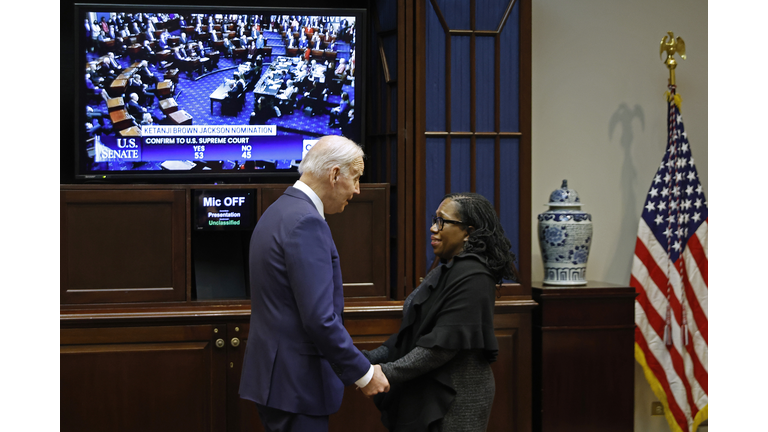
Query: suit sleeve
[[310, 271]]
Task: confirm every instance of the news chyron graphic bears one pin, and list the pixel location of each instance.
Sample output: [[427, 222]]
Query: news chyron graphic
[[160, 143]]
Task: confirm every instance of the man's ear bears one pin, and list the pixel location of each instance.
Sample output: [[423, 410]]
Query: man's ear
[[335, 172]]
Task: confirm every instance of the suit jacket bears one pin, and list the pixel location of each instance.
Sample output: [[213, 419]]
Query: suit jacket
[[146, 76], [296, 305], [135, 110], [238, 88]]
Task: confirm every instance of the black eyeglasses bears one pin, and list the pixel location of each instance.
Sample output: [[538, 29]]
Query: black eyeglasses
[[440, 222]]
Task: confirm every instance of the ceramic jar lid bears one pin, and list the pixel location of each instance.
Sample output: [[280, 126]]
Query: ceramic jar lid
[[564, 197]]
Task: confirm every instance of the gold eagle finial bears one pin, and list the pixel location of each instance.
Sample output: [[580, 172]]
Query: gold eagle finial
[[671, 47]]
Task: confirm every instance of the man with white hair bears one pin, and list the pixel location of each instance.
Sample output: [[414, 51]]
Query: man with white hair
[[299, 356], [113, 64], [147, 77], [134, 108], [94, 90], [164, 39]]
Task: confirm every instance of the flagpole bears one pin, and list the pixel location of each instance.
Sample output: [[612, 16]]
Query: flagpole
[[670, 271], [671, 47]]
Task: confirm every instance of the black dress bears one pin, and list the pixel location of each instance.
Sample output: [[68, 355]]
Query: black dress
[[438, 364]]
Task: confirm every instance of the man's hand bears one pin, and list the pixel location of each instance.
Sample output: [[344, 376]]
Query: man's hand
[[378, 383]]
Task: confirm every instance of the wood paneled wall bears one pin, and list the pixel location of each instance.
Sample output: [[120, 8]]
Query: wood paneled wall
[[179, 369], [474, 130], [451, 114]]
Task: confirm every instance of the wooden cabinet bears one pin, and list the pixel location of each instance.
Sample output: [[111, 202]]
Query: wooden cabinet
[[122, 245], [583, 358], [153, 378], [134, 369], [136, 244], [183, 372], [141, 347], [141, 350]]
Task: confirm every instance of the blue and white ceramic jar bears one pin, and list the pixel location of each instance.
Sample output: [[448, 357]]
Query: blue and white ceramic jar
[[565, 237]]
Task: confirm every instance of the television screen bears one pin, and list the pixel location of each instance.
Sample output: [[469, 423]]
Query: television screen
[[224, 209], [212, 91]]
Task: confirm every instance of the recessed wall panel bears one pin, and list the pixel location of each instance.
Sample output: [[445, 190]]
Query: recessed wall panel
[[461, 83], [510, 73], [484, 168], [485, 74]]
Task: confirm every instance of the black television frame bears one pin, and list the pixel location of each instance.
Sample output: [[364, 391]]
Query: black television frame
[[73, 135]]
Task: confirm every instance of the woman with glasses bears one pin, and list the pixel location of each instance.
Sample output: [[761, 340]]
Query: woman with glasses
[[438, 364]]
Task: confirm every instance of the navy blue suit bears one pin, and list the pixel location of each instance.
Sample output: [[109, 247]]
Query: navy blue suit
[[296, 305]]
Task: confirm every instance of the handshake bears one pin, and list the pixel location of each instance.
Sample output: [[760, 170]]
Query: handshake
[[378, 384]]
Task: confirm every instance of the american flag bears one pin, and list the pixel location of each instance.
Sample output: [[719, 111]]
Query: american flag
[[669, 273]]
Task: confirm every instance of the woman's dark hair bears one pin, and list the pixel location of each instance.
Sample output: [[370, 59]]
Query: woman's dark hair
[[487, 238]]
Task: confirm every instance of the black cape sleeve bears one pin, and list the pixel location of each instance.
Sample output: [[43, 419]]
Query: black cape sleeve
[[453, 312], [462, 315]]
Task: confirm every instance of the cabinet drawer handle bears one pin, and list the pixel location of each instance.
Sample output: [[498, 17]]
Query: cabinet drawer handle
[[235, 342], [219, 343]]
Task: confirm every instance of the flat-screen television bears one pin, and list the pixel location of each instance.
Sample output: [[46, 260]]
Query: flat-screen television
[[211, 91]]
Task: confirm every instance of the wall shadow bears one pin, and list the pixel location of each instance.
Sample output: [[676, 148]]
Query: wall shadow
[[622, 119]]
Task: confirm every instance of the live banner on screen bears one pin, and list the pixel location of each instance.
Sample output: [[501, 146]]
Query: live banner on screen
[[669, 273]]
